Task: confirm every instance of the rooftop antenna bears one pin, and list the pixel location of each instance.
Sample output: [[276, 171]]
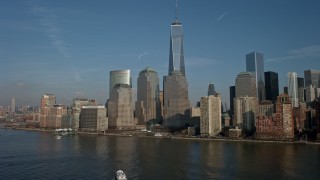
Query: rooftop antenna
[[176, 10]]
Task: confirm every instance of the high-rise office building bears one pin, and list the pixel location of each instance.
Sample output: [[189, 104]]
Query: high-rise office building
[[311, 93], [246, 110], [77, 105], [210, 115], [119, 77], [271, 86], [176, 56], [148, 104], [285, 90], [232, 91], [13, 105], [211, 89], [312, 77], [245, 85], [301, 94], [293, 88], [300, 82], [255, 65], [176, 102], [120, 111]]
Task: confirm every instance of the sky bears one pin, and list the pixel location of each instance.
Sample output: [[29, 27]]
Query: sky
[[68, 48]]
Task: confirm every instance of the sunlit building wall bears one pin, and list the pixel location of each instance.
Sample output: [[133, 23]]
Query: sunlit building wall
[[210, 115], [147, 104]]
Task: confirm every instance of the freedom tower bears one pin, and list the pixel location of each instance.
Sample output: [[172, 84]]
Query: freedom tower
[[176, 57], [176, 102]]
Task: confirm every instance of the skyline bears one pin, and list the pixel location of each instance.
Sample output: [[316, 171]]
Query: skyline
[[69, 49]]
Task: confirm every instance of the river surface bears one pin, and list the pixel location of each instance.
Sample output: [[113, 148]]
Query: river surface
[[40, 155]]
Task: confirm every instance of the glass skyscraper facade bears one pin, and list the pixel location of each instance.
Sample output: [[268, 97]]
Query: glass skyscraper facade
[[271, 85], [293, 88], [255, 65], [176, 56], [211, 89], [119, 77], [312, 77]]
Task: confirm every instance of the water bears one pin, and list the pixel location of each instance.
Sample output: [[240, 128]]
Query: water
[[39, 155]]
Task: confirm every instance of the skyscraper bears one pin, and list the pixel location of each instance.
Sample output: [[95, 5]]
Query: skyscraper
[[255, 65], [13, 105], [285, 90], [176, 100], [120, 111], [148, 104], [176, 56], [245, 85], [175, 86], [271, 86], [293, 88], [312, 77], [211, 89], [232, 91], [300, 82], [246, 110], [119, 77]]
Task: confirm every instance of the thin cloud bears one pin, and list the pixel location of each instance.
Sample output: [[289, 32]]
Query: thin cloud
[[222, 16], [305, 52], [48, 20], [142, 54]]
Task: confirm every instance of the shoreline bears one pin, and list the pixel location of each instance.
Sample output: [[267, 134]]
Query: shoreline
[[175, 137]]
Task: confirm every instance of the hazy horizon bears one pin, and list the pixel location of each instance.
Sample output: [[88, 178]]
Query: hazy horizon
[[68, 49]]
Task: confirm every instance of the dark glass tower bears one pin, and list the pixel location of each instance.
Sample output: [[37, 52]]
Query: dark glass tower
[[271, 85], [255, 65], [211, 89], [300, 82], [312, 77], [232, 91]]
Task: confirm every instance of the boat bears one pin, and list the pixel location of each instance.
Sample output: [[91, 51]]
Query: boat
[[120, 175], [58, 136], [64, 132]]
